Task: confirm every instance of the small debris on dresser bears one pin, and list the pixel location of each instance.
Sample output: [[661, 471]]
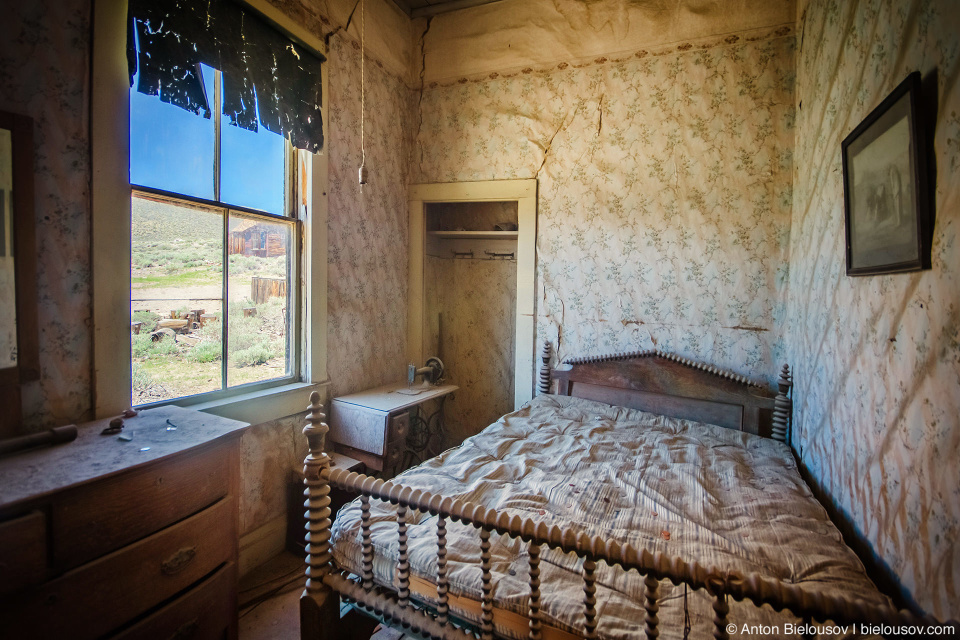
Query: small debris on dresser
[[116, 426]]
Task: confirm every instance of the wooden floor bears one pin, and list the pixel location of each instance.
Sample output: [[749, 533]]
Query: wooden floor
[[269, 600], [270, 604]]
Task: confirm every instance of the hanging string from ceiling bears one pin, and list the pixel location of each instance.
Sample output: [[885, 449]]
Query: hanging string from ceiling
[[363, 97]]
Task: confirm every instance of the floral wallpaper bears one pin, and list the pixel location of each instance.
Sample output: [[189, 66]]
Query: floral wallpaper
[[44, 74], [470, 307], [665, 191], [367, 295], [877, 359]]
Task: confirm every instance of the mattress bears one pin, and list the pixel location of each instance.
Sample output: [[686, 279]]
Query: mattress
[[723, 498]]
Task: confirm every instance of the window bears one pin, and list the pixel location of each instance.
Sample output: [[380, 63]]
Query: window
[[214, 250]]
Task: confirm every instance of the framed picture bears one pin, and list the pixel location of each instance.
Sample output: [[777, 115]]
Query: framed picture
[[886, 189]]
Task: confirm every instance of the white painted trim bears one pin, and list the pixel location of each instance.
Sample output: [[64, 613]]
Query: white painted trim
[[474, 191], [315, 258], [110, 190], [262, 544], [285, 23], [415, 261], [524, 192], [524, 356], [257, 407]]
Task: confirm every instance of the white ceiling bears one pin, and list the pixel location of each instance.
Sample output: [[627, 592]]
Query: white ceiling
[[424, 8]]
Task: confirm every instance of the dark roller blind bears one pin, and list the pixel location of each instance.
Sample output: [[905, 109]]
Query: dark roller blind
[[263, 70]]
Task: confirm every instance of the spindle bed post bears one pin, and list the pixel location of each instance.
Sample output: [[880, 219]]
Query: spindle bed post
[[782, 406], [651, 597], [442, 587], [486, 577], [534, 609], [544, 385], [720, 607], [589, 598], [403, 558], [319, 604], [367, 543]]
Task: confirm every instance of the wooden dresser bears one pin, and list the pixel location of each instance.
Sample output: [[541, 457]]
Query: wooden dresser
[[133, 539]]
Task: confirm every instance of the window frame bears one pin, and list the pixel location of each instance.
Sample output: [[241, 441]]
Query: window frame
[[295, 295], [110, 260]]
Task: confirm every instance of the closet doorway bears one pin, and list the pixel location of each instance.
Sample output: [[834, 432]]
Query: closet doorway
[[472, 270]]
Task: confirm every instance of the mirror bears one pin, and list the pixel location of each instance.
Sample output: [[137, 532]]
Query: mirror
[[19, 357]]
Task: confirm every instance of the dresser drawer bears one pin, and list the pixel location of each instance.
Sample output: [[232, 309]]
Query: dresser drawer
[[23, 552], [103, 516], [101, 596], [205, 612], [397, 428]]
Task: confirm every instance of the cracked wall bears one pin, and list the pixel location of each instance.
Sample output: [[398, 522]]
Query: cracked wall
[[665, 189]]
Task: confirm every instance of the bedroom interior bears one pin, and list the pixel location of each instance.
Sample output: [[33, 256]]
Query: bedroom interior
[[682, 208]]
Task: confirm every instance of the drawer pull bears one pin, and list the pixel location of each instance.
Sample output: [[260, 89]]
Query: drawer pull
[[186, 630], [175, 563]]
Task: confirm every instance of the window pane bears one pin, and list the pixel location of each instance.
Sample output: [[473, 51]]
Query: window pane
[[251, 167], [176, 299], [258, 346], [171, 148]]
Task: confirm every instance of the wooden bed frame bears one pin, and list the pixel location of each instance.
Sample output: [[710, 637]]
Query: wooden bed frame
[[651, 380]]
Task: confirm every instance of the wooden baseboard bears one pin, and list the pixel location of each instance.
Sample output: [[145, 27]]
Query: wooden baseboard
[[261, 544]]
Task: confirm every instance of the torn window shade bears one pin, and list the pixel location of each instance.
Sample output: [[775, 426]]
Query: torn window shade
[[267, 79]]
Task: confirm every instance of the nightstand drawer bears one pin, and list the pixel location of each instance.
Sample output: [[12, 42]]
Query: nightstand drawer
[[397, 428], [102, 595], [103, 516], [358, 427]]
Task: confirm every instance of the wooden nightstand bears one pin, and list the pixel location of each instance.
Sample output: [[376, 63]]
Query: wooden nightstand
[[372, 426]]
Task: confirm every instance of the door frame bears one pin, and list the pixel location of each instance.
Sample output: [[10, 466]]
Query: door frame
[[524, 193]]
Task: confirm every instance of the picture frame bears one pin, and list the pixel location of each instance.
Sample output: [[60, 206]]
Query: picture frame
[[887, 210]]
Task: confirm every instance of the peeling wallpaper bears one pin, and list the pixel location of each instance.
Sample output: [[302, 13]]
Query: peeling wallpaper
[[513, 34], [476, 301], [44, 69], [269, 455], [665, 191], [389, 32], [877, 359]]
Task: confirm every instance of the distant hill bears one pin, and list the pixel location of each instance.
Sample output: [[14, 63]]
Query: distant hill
[[155, 221]]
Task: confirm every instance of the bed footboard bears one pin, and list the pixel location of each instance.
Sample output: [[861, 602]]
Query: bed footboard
[[319, 604]]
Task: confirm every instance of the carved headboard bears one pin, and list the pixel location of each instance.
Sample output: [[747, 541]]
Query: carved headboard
[[663, 383]]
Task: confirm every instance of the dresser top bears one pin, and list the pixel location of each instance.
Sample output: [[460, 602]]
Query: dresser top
[[393, 397], [37, 472]]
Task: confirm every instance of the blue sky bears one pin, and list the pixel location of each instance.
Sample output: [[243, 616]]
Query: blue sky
[[173, 149]]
